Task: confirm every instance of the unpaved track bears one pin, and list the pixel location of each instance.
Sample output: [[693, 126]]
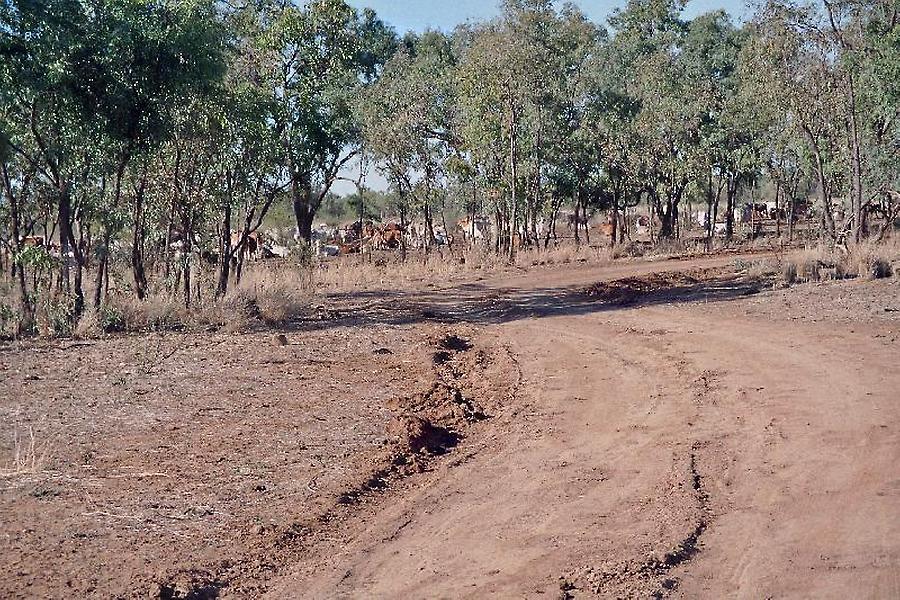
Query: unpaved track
[[669, 450]]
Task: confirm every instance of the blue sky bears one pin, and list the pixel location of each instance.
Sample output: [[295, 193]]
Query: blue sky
[[418, 15]]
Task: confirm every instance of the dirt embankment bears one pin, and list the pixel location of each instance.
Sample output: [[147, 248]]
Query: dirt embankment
[[200, 466]]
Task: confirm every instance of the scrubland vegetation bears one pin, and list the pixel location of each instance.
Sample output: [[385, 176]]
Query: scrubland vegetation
[[148, 146]]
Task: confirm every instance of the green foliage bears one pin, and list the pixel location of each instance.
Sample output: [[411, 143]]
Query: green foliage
[[322, 53], [36, 258], [151, 127], [110, 319]]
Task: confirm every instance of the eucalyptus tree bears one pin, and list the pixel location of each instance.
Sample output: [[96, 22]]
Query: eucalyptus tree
[[649, 34], [101, 78], [41, 45], [728, 152], [318, 57], [566, 147], [251, 171], [868, 34], [493, 81], [859, 41], [406, 118], [785, 67], [620, 105], [514, 90]]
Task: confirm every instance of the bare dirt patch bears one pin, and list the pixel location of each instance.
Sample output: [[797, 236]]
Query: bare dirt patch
[[694, 434], [194, 464], [689, 285]]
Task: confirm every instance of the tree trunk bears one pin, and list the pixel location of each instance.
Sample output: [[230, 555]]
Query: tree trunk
[[827, 216], [304, 211], [587, 231], [137, 247], [225, 244], [856, 188], [577, 222], [430, 240], [78, 255], [667, 224], [63, 212], [102, 266], [731, 186], [792, 209], [778, 208], [26, 320], [187, 249], [513, 126], [551, 224], [615, 216], [710, 199], [402, 228], [68, 244]]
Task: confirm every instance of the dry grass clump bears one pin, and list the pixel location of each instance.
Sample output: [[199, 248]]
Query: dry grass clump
[[760, 269], [29, 456], [270, 295], [874, 261], [565, 254], [631, 249], [387, 271], [865, 260], [358, 273], [88, 326], [813, 264], [159, 312]]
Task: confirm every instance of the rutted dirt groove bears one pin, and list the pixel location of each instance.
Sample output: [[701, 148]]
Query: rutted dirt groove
[[651, 578], [471, 381]]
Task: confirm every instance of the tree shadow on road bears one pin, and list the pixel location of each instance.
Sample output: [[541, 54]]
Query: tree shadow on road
[[481, 304]]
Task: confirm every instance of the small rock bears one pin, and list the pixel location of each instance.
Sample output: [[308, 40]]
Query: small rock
[[280, 340]]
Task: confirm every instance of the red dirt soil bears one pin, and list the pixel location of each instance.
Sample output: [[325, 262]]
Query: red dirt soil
[[706, 437]]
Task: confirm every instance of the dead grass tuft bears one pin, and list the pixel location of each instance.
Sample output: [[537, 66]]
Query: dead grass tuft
[[386, 271], [88, 326], [270, 295], [820, 263], [266, 294], [29, 456], [159, 312], [874, 261]]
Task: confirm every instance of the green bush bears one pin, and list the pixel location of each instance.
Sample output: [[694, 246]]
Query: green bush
[[110, 319], [9, 321]]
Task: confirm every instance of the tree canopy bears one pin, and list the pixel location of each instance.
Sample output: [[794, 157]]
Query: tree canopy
[[129, 125]]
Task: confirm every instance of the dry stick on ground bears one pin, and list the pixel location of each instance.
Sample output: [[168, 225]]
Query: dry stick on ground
[[148, 362], [137, 475]]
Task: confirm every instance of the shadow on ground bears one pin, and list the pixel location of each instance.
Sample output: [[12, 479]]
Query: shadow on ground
[[482, 304]]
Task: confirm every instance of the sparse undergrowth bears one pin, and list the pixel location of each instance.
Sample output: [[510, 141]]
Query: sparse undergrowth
[[820, 263], [276, 293]]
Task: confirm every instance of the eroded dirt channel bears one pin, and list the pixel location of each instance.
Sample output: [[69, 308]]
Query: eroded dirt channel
[[539, 435]]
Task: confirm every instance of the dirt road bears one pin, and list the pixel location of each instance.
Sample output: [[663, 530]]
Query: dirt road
[[683, 449], [642, 429]]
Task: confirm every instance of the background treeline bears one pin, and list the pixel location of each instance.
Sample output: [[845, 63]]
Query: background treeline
[[144, 133]]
